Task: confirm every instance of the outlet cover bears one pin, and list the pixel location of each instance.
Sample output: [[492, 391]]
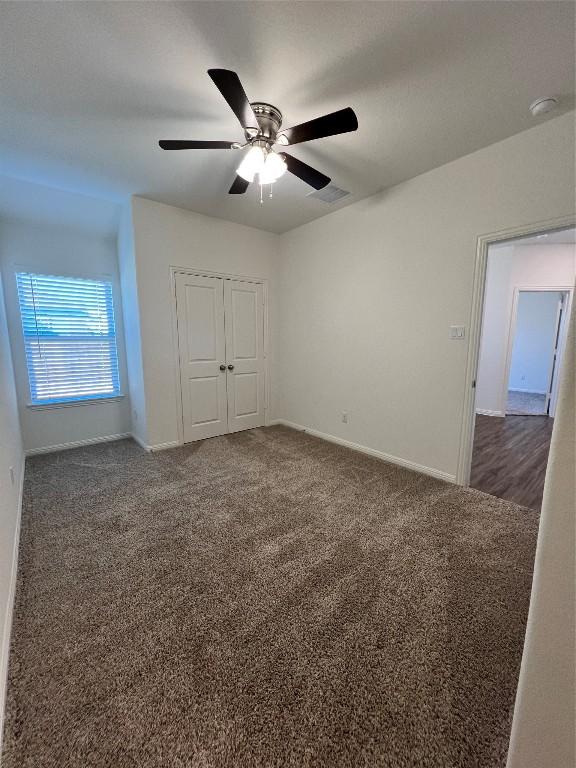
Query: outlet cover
[[457, 332]]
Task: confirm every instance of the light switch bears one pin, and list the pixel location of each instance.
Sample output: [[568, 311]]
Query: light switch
[[457, 332]]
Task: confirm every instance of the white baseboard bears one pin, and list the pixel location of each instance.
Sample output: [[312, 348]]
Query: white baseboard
[[157, 446], [164, 446], [139, 440], [76, 444], [486, 412], [7, 629], [437, 473]]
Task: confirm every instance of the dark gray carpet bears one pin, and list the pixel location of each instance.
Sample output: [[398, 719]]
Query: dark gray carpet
[[262, 599], [526, 404]]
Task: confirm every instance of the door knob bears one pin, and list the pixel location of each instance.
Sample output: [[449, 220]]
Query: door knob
[[222, 367], [230, 367]]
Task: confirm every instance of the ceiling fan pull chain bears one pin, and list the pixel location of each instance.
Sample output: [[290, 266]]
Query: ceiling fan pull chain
[[271, 188], [261, 200]]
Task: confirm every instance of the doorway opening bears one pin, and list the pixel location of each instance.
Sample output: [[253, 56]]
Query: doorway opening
[[538, 331], [527, 298]]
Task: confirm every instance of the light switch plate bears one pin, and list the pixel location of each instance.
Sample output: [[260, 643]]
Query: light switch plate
[[457, 332]]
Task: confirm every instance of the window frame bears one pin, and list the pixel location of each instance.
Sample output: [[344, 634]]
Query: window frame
[[41, 271]]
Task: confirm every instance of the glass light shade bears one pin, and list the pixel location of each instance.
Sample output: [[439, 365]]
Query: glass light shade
[[273, 168], [252, 164]]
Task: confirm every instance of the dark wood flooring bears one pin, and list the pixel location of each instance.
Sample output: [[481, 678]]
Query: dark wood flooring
[[510, 456]]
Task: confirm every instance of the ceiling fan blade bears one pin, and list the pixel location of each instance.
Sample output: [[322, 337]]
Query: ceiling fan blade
[[239, 186], [229, 85], [342, 121], [305, 172], [176, 144]]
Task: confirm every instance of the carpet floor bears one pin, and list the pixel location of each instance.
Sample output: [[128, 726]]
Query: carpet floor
[[262, 599], [526, 404]]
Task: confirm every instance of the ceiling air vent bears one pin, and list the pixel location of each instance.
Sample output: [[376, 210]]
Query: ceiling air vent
[[329, 194]]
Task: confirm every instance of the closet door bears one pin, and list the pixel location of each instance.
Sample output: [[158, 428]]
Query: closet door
[[202, 351], [244, 354]]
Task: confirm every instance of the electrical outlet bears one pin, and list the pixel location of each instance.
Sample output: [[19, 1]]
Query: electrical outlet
[[344, 417]]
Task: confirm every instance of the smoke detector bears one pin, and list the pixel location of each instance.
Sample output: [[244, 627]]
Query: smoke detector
[[541, 106]]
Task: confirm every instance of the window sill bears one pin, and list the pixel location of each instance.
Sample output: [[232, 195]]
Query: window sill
[[73, 403]]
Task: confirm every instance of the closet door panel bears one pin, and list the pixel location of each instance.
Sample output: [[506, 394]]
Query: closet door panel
[[202, 350], [245, 354]]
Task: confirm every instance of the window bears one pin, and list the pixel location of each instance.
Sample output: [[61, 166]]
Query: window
[[69, 337]]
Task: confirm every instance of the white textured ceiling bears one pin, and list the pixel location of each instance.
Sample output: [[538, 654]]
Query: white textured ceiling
[[88, 88]]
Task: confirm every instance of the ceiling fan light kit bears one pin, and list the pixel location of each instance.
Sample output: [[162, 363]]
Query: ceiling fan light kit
[[261, 160], [261, 123]]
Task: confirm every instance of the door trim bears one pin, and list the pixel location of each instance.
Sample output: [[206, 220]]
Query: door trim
[[475, 325], [560, 351], [199, 272]]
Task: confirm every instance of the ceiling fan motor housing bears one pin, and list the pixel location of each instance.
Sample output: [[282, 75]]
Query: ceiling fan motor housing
[[269, 121]]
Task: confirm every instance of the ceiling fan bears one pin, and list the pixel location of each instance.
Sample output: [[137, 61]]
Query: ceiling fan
[[261, 123]]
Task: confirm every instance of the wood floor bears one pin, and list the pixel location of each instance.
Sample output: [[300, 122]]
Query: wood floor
[[510, 456]]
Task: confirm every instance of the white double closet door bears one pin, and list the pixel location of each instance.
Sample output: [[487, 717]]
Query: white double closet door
[[221, 350]]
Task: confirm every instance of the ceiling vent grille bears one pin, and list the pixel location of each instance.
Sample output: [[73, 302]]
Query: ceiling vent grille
[[329, 194]]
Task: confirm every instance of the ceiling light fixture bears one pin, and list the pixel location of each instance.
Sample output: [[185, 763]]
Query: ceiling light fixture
[[252, 164], [274, 167], [263, 162], [262, 123]]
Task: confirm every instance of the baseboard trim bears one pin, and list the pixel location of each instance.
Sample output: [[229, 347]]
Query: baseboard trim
[[140, 442], [164, 446], [77, 444], [486, 412], [157, 446], [7, 629], [405, 463]]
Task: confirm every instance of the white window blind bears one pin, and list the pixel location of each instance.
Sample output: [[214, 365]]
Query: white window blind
[[70, 338]]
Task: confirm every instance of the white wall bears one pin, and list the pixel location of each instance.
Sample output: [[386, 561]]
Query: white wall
[[534, 338], [131, 314], [543, 729], [51, 249], [510, 267], [165, 236], [368, 294], [11, 456]]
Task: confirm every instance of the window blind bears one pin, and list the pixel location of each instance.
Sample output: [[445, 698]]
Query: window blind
[[69, 337]]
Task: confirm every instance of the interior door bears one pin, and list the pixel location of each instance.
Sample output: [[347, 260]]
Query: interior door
[[202, 351], [245, 354]]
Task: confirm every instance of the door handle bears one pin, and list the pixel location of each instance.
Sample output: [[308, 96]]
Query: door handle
[[222, 367], [230, 367]]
